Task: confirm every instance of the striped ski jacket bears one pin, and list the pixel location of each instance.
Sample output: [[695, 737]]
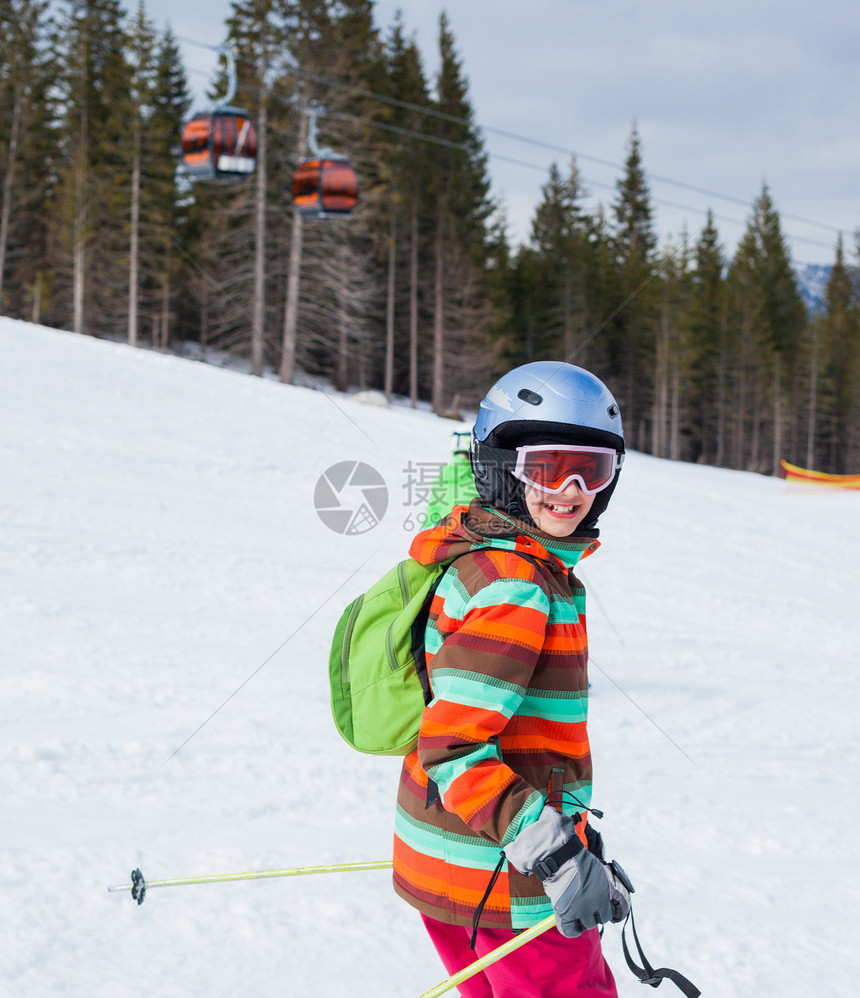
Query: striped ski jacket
[[506, 731]]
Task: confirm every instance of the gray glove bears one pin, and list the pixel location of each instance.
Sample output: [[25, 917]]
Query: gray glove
[[585, 892]]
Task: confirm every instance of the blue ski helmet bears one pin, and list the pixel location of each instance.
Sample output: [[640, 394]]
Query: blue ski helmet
[[546, 402]]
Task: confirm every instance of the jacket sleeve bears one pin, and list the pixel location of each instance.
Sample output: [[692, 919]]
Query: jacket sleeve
[[490, 644]]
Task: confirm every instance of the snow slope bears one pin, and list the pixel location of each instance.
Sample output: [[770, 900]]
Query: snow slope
[[159, 546]]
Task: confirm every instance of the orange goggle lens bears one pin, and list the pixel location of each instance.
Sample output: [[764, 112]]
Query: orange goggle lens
[[552, 469]]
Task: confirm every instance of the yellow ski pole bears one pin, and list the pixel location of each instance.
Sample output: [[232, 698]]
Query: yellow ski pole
[[139, 886], [485, 961]]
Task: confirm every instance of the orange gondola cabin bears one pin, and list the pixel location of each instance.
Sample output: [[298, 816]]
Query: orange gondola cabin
[[219, 145], [323, 188]]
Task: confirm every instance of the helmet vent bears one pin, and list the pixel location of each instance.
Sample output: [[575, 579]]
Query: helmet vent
[[613, 411], [529, 396]]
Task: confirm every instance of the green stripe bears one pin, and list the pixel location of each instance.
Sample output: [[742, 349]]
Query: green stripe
[[527, 815], [526, 912], [432, 639], [581, 790], [447, 773], [471, 689], [461, 850], [480, 677], [516, 592], [563, 610], [452, 588], [566, 711]]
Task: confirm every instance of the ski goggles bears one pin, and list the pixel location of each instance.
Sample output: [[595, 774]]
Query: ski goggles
[[551, 468]]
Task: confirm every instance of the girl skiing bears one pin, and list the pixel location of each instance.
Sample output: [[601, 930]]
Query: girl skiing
[[491, 832]]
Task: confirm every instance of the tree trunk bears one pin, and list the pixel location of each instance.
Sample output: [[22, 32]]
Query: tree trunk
[[675, 432], [79, 261], [389, 311], [37, 298], [777, 415], [78, 236], [813, 400], [165, 311], [661, 388], [439, 321], [721, 396], [204, 323], [413, 311], [567, 305], [6, 210], [291, 308], [341, 377], [134, 242], [755, 436], [738, 451], [258, 329]]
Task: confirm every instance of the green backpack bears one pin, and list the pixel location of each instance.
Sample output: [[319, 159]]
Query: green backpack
[[377, 669]]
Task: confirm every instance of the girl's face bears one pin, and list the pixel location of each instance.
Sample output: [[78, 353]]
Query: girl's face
[[558, 513]]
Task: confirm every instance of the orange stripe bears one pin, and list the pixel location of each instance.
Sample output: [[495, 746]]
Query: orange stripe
[[472, 724], [521, 628], [450, 720], [564, 643], [463, 883], [413, 768], [564, 746], [473, 789]]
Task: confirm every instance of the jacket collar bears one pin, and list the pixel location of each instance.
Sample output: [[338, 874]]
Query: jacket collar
[[469, 528]]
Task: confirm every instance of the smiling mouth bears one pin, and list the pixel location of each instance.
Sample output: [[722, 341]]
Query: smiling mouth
[[557, 509]]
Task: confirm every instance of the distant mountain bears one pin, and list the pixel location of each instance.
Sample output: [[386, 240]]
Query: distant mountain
[[812, 279]]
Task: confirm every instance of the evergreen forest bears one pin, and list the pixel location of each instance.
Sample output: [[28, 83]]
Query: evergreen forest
[[420, 293]]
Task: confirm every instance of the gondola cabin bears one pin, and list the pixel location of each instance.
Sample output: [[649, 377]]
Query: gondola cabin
[[323, 188], [219, 145]]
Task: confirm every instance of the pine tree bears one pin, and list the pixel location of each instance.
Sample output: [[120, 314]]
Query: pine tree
[[461, 313], [27, 154], [560, 235], [405, 177], [141, 45], [525, 292], [328, 312], [708, 404], [635, 239], [632, 332], [769, 321], [785, 318], [93, 199], [747, 348], [672, 360], [257, 33], [838, 400], [599, 350], [163, 203]]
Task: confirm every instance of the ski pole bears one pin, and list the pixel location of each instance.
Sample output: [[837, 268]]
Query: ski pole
[[139, 886], [485, 961]]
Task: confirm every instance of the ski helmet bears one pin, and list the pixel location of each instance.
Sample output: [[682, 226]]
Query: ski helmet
[[545, 402]]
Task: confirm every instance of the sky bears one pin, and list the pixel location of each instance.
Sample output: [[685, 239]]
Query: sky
[[726, 97]]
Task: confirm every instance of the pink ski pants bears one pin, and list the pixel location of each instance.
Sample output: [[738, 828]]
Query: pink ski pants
[[550, 966]]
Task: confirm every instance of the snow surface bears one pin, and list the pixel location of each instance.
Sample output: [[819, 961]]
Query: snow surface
[[158, 545]]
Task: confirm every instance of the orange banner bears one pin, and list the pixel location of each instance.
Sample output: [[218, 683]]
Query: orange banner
[[792, 473]]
